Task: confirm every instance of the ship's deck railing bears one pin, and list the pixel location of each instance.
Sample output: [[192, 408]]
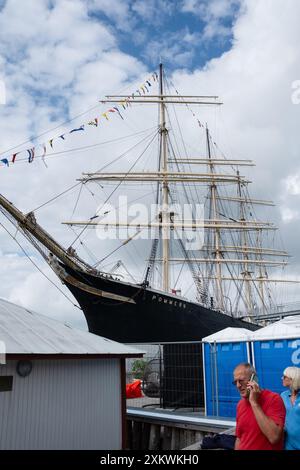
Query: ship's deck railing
[[273, 313]]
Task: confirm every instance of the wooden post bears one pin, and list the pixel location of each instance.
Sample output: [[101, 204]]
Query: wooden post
[[136, 435], [167, 436], [129, 434], [175, 440], [199, 436], [190, 437], [154, 440], [145, 436]]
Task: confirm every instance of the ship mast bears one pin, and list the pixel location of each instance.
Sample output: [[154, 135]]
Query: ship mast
[[230, 252], [244, 243], [164, 177], [261, 284], [218, 254], [165, 213], [35, 233]]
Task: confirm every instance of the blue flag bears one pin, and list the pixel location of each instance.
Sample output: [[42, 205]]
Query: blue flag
[[5, 161], [81, 128]]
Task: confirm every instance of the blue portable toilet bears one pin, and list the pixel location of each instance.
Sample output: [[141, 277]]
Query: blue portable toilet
[[222, 352], [274, 348]]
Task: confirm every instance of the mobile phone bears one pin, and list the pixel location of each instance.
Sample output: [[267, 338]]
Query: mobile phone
[[254, 378]]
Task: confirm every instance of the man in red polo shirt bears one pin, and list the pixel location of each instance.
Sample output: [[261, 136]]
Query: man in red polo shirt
[[260, 413]]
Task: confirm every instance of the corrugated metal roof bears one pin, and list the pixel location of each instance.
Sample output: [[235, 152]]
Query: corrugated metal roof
[[26, 332], [228, 335]]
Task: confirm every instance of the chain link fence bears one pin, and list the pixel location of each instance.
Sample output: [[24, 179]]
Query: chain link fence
[[171, 376]]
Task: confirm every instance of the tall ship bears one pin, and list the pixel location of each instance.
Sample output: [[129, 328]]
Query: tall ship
[[206, 258]]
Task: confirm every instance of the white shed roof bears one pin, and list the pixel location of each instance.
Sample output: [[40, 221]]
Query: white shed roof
[[228, 335], [288, 327], [26, 332]]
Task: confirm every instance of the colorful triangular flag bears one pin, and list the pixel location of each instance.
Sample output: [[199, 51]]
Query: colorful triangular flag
[[31, 155], [5, 161], [81, 128], [94, 122], [14, 157]]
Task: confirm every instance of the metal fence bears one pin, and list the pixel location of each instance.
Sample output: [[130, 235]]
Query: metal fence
[[171, 376]]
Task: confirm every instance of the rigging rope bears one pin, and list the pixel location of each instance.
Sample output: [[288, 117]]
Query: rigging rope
[[85, 147], [36, 266], [49, 130], [99, 170], [115, 189]]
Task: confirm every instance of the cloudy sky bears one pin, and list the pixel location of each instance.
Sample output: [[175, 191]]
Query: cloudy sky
[[58, 58]]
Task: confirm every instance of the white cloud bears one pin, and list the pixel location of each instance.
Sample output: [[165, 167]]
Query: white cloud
[[213, 13], [292, 184], [155, 11], [212, 9], [295, 97], [289, 215], [60, 65], [2, 92], [64, 62], [222, 8], [116, 10], [171, 48], [135, 16], [51, 51], [30, 289], [290, 198], [258, 120], [214, 29]]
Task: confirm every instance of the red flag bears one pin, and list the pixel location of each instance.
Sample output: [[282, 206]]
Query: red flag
[[14, 157]]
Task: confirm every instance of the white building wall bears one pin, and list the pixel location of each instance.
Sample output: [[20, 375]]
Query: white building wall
[[63, 404]]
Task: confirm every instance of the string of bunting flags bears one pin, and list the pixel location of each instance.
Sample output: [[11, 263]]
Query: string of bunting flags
[[40, 150], [189, 108]]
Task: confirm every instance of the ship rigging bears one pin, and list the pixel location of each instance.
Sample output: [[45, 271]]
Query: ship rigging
[[223, 247]]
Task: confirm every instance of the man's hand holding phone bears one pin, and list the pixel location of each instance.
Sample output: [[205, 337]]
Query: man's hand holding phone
[[253, 389]]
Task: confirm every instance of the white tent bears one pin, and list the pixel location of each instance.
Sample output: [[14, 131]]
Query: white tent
[[288, 327], [229, 335]]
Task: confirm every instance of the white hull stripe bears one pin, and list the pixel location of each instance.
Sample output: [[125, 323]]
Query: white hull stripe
[[92, 290]]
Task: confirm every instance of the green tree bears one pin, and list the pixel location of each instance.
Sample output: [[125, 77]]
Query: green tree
[[138, 368]]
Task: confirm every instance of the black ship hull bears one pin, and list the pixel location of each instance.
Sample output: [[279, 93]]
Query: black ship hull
[[137, 314]]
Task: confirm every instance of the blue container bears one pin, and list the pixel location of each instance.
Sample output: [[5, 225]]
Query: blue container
[[222, 352], [274, 348]]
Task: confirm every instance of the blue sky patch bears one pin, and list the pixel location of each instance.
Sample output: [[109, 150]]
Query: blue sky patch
[[185, 33]]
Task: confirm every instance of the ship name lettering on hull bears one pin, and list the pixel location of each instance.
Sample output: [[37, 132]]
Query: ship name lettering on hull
[[176, 303]]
